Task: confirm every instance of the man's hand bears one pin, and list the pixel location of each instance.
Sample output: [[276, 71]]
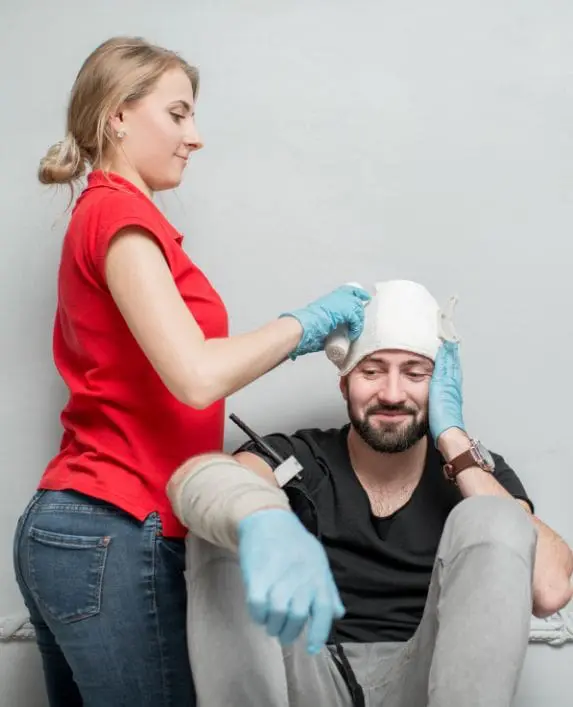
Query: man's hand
[[446, 400], [287, 578]]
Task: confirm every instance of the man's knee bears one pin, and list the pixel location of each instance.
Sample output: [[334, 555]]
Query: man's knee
[[489, 520], [203, 557]]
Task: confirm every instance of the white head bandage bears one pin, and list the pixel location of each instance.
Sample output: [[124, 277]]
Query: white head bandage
[[401, 315]]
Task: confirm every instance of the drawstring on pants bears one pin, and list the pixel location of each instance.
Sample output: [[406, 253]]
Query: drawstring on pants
[[348, 675]]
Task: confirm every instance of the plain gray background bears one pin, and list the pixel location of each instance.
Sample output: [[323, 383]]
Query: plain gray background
[[359, 141]]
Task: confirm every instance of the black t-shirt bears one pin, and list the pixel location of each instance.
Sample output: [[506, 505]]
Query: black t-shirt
[[382, 566]]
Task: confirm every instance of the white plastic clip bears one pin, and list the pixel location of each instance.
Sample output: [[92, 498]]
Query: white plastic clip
[[446, 329], [286, 471]]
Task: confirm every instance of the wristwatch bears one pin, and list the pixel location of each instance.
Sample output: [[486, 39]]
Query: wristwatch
[[476, 455]]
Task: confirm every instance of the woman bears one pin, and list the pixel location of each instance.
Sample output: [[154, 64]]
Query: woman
[[141, 341]]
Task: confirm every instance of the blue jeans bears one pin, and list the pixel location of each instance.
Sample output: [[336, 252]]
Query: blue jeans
[[107, 598]]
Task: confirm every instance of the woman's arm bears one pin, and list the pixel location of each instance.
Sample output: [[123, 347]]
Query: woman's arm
[[197, 371]]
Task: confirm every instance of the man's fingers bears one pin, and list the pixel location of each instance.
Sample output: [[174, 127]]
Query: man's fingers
[[339, 609], [320, 623], [257, 596], [278, 611], [297, 615]]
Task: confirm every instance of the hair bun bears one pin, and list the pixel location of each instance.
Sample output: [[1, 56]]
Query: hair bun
[[63, 163]]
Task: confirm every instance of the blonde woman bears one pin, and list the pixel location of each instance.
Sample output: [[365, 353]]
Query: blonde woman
[[141, 341]]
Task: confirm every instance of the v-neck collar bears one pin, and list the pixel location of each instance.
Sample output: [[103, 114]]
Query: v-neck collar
[[432, 456]]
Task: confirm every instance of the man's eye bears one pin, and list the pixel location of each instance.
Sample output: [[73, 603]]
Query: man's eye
[[416, 376]]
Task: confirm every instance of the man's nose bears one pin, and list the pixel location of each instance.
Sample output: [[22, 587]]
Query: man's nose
[[392, 392]]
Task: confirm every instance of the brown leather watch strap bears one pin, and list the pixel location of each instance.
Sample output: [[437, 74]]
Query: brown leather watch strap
[[465, 460]]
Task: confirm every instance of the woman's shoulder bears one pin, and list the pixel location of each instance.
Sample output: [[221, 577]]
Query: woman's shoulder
[[105, 207], [107, 199]]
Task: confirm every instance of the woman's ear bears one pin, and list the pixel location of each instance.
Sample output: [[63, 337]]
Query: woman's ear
[[117, 125]]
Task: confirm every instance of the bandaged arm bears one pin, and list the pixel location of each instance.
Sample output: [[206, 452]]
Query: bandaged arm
[[211, 494]]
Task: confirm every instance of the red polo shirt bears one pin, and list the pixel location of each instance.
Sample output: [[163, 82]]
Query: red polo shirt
[[124, 432]]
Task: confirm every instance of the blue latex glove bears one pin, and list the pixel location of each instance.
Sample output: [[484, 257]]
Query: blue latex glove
[[446, 400], [287, 578], [345, 305]]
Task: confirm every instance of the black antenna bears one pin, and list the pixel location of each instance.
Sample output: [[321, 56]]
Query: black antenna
[[259, 441]]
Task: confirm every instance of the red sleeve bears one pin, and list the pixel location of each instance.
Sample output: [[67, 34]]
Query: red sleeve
[[120, 210]]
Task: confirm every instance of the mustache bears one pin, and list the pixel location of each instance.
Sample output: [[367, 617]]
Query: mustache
[[391, 408]]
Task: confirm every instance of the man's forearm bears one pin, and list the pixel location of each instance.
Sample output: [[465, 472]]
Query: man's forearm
[[213, 493], [552, 587]]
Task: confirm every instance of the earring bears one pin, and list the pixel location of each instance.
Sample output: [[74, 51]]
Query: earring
[[120, 134]]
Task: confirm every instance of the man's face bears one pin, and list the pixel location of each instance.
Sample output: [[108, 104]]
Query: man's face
[[387, 399]]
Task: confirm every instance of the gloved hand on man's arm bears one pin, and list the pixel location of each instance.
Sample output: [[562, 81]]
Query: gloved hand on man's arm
[[288, 583]]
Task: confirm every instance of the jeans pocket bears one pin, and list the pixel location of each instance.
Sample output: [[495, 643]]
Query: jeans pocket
[[66, 573]]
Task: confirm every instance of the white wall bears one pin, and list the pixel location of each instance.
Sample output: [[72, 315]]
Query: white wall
[[345, 141]]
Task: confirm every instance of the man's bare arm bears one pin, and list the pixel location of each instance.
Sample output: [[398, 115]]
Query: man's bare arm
[[552, 587]]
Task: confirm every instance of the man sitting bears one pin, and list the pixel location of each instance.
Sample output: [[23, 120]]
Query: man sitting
[[399, 568]]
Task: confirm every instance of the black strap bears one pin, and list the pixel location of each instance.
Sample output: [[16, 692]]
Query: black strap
[[347, 673]]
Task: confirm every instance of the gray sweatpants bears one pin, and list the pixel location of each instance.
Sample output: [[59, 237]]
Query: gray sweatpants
[[468, 650]]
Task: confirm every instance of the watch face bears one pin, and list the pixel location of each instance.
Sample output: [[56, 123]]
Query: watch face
[[485, 455]]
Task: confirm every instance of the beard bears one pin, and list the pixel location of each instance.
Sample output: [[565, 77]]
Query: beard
[[390, 437]]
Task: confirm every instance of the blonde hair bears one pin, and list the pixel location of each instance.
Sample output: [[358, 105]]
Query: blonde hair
[[119, 71]]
